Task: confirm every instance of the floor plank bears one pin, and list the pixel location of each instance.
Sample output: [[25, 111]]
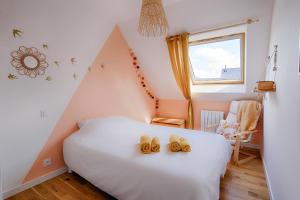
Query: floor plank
[[245, 182]]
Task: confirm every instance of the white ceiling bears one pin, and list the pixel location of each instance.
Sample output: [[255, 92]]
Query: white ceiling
[[128, 9], [193, 15]]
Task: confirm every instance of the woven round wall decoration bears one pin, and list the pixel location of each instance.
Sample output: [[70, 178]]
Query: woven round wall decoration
[[29, 61]]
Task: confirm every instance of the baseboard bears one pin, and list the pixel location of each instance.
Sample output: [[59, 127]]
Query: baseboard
[[34, 182], [267, 179]]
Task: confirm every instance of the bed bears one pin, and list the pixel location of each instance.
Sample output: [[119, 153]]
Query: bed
[[105, 152]]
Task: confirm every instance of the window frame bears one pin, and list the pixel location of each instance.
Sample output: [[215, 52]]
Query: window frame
[[240, 36]]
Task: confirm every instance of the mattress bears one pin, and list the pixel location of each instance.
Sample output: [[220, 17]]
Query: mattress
[[105, 152]]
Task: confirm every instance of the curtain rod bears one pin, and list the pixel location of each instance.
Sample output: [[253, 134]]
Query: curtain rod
[[174, 37], [248, 21]]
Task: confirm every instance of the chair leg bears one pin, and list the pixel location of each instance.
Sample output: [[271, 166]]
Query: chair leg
[[250, 157], [236, 150]]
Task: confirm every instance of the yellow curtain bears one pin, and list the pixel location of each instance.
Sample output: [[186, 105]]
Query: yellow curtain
[[179, 54]]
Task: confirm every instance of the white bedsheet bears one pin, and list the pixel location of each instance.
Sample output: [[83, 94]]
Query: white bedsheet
[[105, 152]]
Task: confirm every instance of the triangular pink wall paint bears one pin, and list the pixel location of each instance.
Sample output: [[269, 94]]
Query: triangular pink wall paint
[[112, 90]]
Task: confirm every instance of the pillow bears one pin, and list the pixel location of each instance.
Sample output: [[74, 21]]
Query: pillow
[[227, 128], [231, 117], [81, 123], [100, 120]]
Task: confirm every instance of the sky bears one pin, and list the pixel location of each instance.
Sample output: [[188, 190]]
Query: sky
[[208, 60]]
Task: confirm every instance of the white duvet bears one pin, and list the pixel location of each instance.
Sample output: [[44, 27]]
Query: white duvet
[[105, 152]]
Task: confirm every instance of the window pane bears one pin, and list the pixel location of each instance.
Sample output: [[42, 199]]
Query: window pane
[[216, 60]]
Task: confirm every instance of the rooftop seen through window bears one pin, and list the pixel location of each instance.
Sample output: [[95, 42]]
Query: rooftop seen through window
[[218, 60]]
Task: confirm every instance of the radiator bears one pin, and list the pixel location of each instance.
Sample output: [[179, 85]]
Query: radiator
[[210, 117]]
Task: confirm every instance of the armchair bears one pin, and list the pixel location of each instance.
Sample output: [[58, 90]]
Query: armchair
[[239, 138]]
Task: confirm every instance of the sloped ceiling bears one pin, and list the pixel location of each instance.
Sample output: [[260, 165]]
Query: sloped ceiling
[[195, 15]]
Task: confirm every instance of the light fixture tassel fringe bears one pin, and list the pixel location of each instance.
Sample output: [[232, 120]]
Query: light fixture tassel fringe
[[153, 20]]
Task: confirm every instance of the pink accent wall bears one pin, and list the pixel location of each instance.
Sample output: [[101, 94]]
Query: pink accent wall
[[113, 90], [178, 109]]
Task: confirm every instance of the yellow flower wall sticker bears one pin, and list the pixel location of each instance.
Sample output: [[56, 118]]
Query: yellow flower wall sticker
[[45, 46], [56, 63], [48, 78], [12, 77], [16, 32], [29, 61], [73, 61]]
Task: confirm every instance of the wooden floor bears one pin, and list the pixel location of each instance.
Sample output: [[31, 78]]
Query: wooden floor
[[240, 182], [246, 181]]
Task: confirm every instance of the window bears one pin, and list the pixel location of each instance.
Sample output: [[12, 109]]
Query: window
[[218, 60]]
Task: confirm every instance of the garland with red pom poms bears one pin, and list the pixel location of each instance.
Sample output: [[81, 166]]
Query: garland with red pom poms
[[141, 78]]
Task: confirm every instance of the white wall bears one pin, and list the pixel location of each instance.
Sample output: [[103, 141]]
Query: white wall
[[194, 15], [71, 29], [1, 194], [281, 118]]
